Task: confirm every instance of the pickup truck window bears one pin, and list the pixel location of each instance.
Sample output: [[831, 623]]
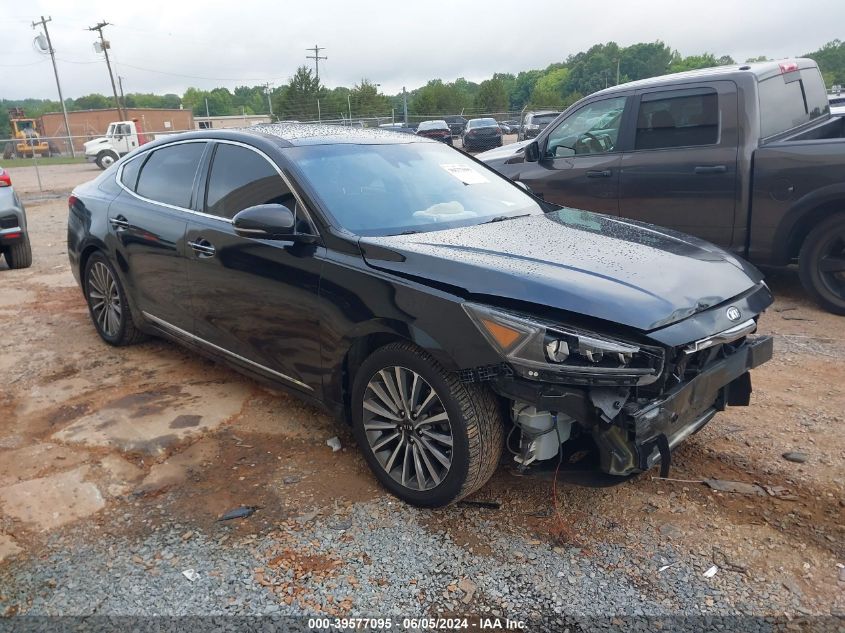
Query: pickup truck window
[[593, 129], [680, 118], [790, 100]]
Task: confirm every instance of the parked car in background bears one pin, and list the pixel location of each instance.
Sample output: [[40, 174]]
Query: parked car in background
[[748, 157], [509, 127], [438, 130], [409, 289], [535, 122], [481, 134], [398, 127], [837, 103], [14, 238], [456, 123]]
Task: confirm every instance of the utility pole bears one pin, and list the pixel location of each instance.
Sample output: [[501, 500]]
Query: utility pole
[[269, 100], [316, 57], [122, 97], [105, 46], [43, 23], [617, 70], [405, 104]]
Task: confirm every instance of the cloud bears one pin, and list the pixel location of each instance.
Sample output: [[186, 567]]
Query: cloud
[[163, 47]]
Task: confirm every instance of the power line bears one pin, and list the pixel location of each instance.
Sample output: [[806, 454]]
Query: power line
[[316, 57], [105, 46]]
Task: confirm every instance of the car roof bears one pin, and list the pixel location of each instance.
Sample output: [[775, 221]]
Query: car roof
[[298, 134], [758, 70]]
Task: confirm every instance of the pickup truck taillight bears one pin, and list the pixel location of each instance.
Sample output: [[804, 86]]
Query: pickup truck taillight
[[5, 178], [71, 201]]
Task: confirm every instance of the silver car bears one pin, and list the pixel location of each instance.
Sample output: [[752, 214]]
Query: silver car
[[14, 238]]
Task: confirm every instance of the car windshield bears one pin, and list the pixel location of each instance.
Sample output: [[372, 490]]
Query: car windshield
[[406, 187], [482, 123]]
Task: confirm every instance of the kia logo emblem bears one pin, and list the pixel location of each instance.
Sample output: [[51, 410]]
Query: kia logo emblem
[[733, 313]]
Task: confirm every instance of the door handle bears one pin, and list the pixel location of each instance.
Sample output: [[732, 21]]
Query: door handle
[[711, 169], [119, 222], [202, 247], [594, 173]]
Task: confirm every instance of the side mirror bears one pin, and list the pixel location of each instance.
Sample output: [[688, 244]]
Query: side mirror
[[532, 152], [564, 151], [266, 222]]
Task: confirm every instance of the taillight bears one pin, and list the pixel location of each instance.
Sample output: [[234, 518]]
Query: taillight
[[71, 201], [5, 178], [788, 67]]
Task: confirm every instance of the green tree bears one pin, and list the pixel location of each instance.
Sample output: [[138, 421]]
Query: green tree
[[299, 99], [367, 101], [831, 61], [492, 96], [93, 102]]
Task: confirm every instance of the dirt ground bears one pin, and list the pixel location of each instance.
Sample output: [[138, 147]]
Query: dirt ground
[[88, 431]]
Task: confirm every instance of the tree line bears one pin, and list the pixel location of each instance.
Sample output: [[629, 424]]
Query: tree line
[[557, 86]]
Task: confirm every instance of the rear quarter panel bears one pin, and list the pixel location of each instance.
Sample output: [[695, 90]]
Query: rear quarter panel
[[795, 183]]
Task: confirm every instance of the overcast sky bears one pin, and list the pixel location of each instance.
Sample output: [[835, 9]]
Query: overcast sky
[[167, 46]]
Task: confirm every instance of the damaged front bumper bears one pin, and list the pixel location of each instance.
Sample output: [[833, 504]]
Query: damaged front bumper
[[642, 436]]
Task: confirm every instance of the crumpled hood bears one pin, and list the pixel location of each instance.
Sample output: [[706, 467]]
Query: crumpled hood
[[621, 271]]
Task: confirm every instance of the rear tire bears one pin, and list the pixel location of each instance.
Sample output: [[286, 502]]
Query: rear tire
[[469, 433], [107, 303], [821, 264], [19, 255]]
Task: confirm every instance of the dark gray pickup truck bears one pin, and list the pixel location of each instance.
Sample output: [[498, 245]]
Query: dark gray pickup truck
[[747, 157]]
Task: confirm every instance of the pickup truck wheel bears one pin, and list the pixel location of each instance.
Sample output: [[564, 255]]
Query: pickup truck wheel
[[19, 255], [106, 159], [107, 303], [822, 264], [429, 438]]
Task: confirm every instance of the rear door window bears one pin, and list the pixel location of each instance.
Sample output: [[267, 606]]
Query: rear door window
[[678, 118], [168, 174]]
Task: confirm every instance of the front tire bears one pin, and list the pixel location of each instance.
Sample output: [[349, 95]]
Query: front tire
[[821, 264], [19, 255], [429, 438], [106, 159], [107, 303]]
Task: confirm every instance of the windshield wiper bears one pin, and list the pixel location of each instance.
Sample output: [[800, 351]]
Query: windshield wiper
[[408, 232], [502, 218]]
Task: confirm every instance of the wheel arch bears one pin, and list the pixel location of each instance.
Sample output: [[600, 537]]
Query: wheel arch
[[366, 338], [805, 215]]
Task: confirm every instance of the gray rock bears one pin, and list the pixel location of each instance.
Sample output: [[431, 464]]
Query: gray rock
[[795, 456]]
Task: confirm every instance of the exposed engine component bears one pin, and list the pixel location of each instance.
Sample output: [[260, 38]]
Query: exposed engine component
[[542, 432]]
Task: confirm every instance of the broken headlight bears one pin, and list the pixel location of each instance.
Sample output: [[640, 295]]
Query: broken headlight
[[541, 350]]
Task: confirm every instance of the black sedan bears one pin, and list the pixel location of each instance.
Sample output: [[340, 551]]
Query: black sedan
[[481, 134], [410, 290]]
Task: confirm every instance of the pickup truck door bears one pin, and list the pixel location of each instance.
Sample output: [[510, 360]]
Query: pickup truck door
[[580, 158], [679, 169]]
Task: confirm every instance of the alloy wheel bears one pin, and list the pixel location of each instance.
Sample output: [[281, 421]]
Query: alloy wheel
[[832, 264], [408, 428], [104, 299]]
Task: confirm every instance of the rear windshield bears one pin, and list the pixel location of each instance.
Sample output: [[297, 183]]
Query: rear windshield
[[790, 100], [433, 125], [543, 119], [482, 123]]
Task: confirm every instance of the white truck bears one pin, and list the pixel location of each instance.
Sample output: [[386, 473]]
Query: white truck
[[121, 138]]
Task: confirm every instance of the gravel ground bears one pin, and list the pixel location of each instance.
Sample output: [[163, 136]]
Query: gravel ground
[[368, 559]]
